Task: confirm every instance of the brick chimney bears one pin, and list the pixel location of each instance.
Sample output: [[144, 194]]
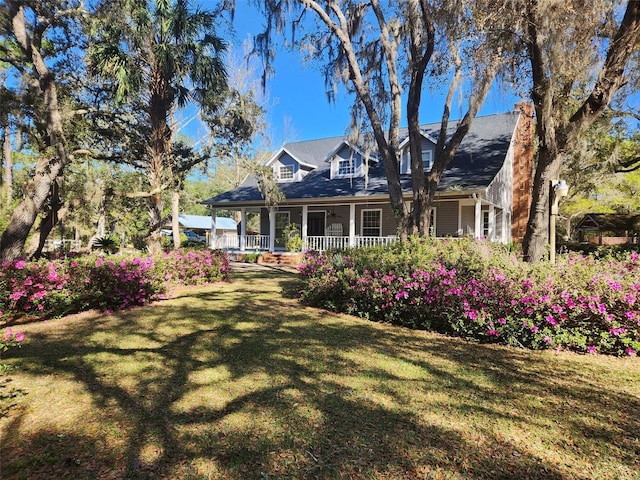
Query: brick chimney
[[522, 170]]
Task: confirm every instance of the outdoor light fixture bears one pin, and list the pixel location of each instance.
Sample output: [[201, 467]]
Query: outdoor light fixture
[[559, 189]]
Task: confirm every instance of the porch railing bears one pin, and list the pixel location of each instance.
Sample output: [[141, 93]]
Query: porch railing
[[256, 242], [320, 244], [328, 243], [375, 241], [234, 242]]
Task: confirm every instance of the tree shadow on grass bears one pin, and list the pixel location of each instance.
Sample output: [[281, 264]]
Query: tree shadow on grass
[[52, 453], [238, 382]]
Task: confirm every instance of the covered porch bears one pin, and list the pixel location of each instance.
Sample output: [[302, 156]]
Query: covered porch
[[325, 226]]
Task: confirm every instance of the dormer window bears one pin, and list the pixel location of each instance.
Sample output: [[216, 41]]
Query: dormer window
[[285, 172], [346, 162], [427, 160], [346, 168]]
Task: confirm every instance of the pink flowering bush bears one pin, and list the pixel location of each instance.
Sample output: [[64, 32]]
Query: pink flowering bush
[[9, 339], [482, 292], [58, 287], [194, 266]]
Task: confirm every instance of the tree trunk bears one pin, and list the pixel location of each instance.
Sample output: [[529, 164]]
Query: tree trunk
[[8, 165], [556, 135], [536, 239], [24, 216], [175, 220], [101, 224], [420, 23], [6, 176], [160, 102], [54, 216], [48, 168], [154, 245]]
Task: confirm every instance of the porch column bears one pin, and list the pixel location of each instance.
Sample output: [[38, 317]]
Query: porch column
[[304, 226], [272, 229], [352, 225], [477, 229], [212, 237], [243, 229], [492, 223]]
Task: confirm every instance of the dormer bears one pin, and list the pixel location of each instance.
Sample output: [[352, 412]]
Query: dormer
[[428, 149], [346, 161], [287, 168]]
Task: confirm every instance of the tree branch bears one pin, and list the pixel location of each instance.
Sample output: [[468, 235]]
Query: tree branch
[[612, 75]]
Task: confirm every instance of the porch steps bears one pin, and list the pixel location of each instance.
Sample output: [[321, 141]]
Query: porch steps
[[289, 259]]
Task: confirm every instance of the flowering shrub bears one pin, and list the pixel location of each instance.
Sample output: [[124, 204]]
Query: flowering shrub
[[479, 291], [58, 287], [193, 267], [9, 339]]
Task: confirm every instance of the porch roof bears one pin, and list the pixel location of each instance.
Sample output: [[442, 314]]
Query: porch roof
[[478, 160]]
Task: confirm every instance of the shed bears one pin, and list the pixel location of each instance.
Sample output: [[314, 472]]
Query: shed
[[611, 228]]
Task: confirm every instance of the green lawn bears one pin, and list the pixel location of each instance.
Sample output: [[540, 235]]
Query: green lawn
[[238, 381]]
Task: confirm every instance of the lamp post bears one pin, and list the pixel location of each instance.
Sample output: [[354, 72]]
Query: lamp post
[[559, 189]]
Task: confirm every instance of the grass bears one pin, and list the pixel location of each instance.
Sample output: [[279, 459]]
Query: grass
[[238, 381]]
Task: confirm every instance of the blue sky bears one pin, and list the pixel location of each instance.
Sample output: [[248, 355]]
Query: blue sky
[[298, 106]]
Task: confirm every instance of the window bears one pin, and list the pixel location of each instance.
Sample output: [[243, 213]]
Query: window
[[371, 223], [427, 160], [345, 167], [405, 161], [285, 172], [485, 224]]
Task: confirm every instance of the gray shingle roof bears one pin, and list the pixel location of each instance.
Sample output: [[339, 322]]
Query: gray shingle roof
[[476, 163]]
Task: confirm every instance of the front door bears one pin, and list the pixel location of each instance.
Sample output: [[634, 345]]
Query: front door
[[315, 224]]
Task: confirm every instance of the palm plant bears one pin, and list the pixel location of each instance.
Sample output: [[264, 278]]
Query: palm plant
[[168, 54]]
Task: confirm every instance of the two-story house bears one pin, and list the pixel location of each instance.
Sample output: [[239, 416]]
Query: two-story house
[[336, 193]]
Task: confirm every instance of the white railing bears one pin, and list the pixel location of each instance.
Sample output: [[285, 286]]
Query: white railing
[[66, 245], [226, 242], [233, 242], [320, 244], [328, 243], [375, 241], [256, 242]]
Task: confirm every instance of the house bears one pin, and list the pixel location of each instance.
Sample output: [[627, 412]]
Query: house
[[202, 225], [337, 194], [609, 228]]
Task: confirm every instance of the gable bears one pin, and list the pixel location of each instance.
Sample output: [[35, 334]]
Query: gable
[[428, 149], [346, 162], [288, 168]]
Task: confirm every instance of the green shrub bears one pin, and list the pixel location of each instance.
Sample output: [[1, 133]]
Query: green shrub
[[291, 238], [105, 244], [252, 257]]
